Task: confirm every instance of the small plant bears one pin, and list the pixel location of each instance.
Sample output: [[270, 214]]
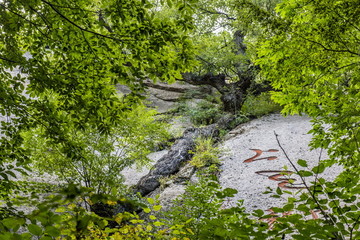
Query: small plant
[[166, 180], [205, 154], [204, 113], [201, 210], [259, 105]]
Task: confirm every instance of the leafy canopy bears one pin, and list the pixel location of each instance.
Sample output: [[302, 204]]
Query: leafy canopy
[[312, 58], [60, 62]]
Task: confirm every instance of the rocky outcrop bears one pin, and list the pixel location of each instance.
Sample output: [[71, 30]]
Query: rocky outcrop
[[178, 154], [164, 96]]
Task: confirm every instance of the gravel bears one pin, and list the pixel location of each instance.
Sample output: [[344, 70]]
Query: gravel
[[259, 134]]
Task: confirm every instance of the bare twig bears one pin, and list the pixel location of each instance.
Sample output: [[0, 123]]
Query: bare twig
[[79, 27], [328, 218]]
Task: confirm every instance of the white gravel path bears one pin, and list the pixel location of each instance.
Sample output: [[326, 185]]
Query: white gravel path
[[259, 134]]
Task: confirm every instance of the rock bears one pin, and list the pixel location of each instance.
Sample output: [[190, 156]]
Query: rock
[[179, 154]]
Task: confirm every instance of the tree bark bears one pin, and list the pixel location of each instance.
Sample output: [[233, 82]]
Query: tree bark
[[232, 94]]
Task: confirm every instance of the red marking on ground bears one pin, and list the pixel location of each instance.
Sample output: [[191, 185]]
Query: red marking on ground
[[280, 177], [258, 153], [272, 220]]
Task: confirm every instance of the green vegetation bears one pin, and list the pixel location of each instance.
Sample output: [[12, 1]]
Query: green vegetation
[[256, 106], [61, 114], [206, 215], [103, 157], [205, 154], [203, 113]]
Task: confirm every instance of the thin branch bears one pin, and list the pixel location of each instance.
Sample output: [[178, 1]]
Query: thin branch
[[218, 12], [79, 27], [17, 14], [329, 49], [345, 66], [8, 60], [47, 23], [352, 229], [327, 217], [27, 20], [317, 174]]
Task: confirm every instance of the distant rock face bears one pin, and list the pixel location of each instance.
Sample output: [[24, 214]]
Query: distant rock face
[[164, 96]]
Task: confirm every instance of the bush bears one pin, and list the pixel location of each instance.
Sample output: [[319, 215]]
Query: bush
[[259, 105], [205, 154], [203, 113], [102, 157]]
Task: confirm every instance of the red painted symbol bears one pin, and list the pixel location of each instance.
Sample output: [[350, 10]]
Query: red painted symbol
[[272, 220], [281, 177], [258, 153], [313, 214]]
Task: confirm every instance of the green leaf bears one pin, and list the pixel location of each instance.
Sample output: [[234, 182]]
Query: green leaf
[[46, 238], [318, 169], [288, 207], [10, 223], [258, 213], [35, 229], [151, 201], [157, 207], [230, 192], [302, 163], [52, 231], [158, 224], [303, 173]]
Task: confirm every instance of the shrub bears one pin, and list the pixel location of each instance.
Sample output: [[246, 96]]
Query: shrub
[[205, 154], [102, 157], [203, 113], [259, 105]]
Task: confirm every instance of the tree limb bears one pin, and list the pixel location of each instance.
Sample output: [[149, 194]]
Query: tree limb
[[218, 12], [79, 27]]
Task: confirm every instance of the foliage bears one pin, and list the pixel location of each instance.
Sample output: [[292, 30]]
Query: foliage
[[312, 61], [61, 217], [259, 105], [203, 113], [103, 157], [308, 50], [205, 154], [76, 52], [332, 206], [202, 208], [218, 54]]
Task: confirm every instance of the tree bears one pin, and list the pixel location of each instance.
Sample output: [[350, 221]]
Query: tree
[[311, 57], [104, 157], [70, 57], [309, 52], [224, 60]]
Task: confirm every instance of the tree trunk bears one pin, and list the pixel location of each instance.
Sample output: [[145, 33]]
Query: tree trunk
[[232, 94]]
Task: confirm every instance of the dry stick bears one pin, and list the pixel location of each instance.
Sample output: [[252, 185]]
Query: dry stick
[[327, 217], [78, 26], [317, 172]]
